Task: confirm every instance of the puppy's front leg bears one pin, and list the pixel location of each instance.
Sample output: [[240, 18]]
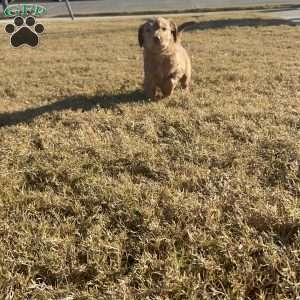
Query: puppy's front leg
[[185, 82], [169, 85], [150, 88]]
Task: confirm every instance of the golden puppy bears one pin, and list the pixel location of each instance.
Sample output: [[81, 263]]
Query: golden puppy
[[166, 62]]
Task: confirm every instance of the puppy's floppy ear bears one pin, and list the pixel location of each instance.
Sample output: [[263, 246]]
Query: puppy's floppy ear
[[174, 30], [141, 35]]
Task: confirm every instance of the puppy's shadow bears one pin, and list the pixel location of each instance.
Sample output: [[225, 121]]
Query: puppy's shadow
[[79, 102]]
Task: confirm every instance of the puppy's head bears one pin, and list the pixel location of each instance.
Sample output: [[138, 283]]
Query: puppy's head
[[157, 34]]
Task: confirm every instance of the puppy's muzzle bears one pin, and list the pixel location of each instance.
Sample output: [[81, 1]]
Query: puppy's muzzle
[[156, 40]]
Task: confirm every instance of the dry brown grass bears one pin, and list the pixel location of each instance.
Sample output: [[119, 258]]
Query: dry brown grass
[[107, 196]]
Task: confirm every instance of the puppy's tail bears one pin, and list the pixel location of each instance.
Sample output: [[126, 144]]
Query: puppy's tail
[[183, 27]]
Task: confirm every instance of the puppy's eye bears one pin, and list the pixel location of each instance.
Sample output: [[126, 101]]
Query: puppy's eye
[[163, 28]]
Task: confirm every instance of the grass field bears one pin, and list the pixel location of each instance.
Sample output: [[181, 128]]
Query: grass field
[[105, 195]]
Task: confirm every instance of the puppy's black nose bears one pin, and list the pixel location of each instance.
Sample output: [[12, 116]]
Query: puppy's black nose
[[156, 39]]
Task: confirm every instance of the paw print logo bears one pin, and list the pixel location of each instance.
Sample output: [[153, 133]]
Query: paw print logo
[[24, 32]]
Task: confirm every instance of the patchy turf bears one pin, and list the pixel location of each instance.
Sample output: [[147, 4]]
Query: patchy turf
[[107, 196]]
